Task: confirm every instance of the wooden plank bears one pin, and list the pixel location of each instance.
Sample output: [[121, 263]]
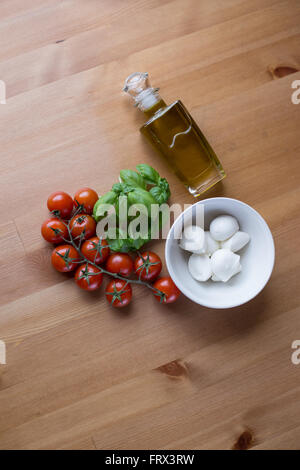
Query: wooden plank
[[138, 33]]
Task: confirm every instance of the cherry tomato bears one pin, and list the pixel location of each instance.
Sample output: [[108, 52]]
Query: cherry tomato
[[87, 198], [147, 266], [167, 286], [64, 258], [118, 293], [61, 204], [88, 277], [95, 250], [119, 263], [54, 230], [83, 222]]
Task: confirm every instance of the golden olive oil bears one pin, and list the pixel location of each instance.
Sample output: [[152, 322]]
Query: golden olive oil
[[173, 133]]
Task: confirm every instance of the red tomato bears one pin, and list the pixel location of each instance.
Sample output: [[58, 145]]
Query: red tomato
[[61, 204], [118, 293], [54, 230], [119, 263], [147, 266], [87, 198], [88, 277], [64, 258], [167, 286], [83, 222], [95, 250]]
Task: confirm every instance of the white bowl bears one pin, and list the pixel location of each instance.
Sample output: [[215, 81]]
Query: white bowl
[[257, 258]]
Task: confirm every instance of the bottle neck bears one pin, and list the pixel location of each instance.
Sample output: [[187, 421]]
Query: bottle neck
[[146, 98], [153, 108]]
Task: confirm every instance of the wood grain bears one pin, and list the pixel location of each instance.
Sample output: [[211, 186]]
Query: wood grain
[[79, 375]]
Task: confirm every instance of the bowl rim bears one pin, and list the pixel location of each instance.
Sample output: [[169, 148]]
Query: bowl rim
[[173, 274]]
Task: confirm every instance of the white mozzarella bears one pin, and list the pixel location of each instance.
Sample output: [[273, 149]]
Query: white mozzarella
[[211, 244], [193, 239], [223, 227], [200, 267], [225, 264], [236, 242]]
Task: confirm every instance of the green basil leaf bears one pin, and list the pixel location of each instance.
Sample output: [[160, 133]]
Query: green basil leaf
[[108, 198], [138, 243], [117, 188], [132, 178], [118, 244], [148, 173], [141, 196], [122, 188], [160, 195], [124, 245], [164, 185], [161, 192]]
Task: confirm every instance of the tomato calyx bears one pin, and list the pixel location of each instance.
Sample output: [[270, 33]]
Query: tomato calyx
[[117, 294], [79, 207], [81, 219], [145, 265], [56, 231], [82, 226], [98, 247], [86, 274], [162, 296], [167, 286], [56, 213], [67, 259]]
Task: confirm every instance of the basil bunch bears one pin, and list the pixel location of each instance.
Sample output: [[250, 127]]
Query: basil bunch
[[144, 187]]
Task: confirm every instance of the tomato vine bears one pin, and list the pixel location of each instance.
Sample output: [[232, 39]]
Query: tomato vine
[[76, 242]]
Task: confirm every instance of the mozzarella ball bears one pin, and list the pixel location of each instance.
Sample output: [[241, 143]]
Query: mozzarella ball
[[236, 242], [211, 244], [225, 264], [223, 227], [193, 239], [200, 267]]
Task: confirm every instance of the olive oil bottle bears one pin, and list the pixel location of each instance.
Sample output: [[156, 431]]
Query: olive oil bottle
[[172, 131]]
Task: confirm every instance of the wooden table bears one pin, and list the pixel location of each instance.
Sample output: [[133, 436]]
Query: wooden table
[[79, 374]]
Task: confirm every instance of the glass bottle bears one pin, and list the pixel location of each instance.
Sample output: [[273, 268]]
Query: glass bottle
[[172, 131]]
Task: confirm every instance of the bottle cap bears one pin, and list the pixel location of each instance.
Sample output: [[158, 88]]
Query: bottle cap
[[137, 85]]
